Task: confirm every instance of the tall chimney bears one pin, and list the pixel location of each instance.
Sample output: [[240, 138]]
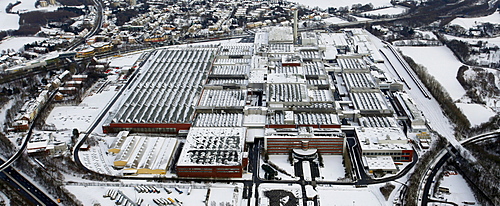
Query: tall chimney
[[295, 24]]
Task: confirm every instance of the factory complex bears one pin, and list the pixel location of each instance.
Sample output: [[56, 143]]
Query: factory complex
[[304, 93]]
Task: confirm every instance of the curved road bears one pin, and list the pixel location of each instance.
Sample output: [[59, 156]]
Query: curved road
[[93, 31], [433, 170]]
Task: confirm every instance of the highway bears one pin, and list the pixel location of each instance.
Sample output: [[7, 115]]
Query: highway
[[25, 187]]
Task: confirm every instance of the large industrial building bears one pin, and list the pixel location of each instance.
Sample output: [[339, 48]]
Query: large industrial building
[[162, 98], [293, 96]]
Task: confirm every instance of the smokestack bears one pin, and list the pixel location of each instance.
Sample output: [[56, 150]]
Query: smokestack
[[295, 24]]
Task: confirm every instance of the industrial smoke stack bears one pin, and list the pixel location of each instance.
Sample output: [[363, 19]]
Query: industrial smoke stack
[[295, 24]]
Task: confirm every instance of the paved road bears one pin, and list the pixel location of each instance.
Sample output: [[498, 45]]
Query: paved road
[[25, 187], [97, 26]]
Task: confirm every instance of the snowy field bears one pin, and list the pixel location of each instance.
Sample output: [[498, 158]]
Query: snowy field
[[440, 63], [9, 21], [220, 194], [387, 11], [29, 5], [18, 43], [494, 41], [81, 116], [476, 113], [445, 71], [468, 23], [338, 3], [459, 190], [334, 20], [348, 196]]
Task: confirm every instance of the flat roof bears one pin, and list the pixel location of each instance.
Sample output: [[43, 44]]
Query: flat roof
[[389, 138], [206, 146], [380, 162]]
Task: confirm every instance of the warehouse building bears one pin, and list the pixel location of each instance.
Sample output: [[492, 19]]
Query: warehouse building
[[162, 97], [213, 152]]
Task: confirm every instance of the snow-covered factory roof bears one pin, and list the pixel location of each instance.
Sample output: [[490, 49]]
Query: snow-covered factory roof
[[240, 49], [224, 61], [377, 122], [281, 118], [231, 70], [313, 68], [310, 54], [281, 35], [352, 64], [226, 82], [218, 120], [142, 152], [166, 87], [227, 98], [281, 48], [288, 93], [382, 139], [320, 95], [213, 146], [370, 101], [359, 81], [336, 39]]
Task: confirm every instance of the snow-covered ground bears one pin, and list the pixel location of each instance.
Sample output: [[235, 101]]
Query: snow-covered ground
[[333, 168], [4, 199], [282, 162], [440, 63], [430, 107], [445, 71], [81, 116], [334, 20], [468, 23], [124, 61], [294, 189], [29, 5], [95, 160], [348, 195], [459, 190], [482, 58], [341, 3], [476, 113], [387, 11], [9, 21], [3, 112], [220, 194], [17, 43]]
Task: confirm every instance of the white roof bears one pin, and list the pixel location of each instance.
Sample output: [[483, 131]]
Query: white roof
[[281, 35], [207, 146], [389, 138], [380, 162]]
